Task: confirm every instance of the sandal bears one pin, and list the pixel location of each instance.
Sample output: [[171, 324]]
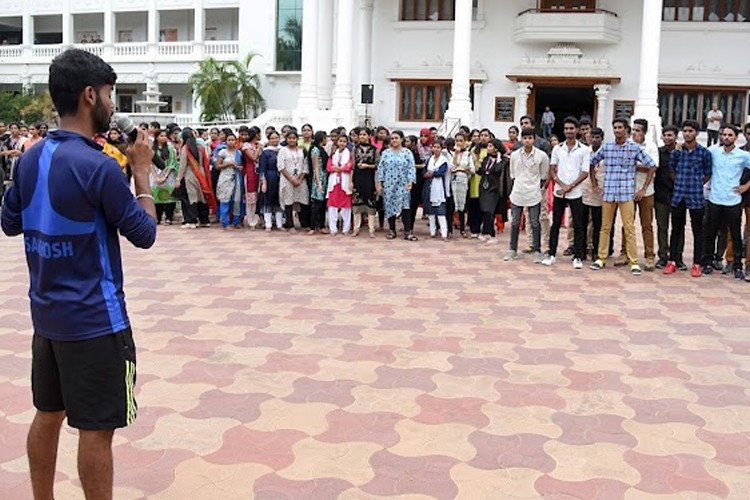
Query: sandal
[[391, 235]]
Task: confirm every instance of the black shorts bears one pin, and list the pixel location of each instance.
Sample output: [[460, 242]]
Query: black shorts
[[93, 381]]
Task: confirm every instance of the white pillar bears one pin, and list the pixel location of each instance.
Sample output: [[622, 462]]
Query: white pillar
[[199, 30], [523, 91], [325, 54], [459, 107], [343, 104], [108, 35], [153, 28], [27, 25], [308, 87], [478, 104], [67, 26], [366, 8], [602, 91], [646, 105]]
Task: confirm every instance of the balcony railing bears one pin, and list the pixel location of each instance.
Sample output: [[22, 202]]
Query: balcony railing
[[176, 49], [94, 48], [592, 26], [136, 49], [10, 51], [46, 51], [222, 48]]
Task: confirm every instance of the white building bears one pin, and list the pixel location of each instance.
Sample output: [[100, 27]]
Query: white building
[[431, 62]]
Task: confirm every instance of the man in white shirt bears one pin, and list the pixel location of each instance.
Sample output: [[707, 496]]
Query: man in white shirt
[[715, 118], [529, 169], [644, 205], [548, 122], [569, 169]]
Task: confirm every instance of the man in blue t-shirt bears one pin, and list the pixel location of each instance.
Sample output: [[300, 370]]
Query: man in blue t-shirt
[[724, 207], [83, 355]]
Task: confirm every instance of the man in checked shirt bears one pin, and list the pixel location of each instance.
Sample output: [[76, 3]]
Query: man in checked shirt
[[620, 159]]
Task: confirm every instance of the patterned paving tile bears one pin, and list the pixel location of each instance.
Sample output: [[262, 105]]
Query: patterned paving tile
[[298, 367]]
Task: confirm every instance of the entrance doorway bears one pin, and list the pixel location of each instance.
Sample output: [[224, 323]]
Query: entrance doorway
[[563, 102]]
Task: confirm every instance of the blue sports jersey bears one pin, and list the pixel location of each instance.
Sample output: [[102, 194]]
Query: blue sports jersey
[[69, 200]]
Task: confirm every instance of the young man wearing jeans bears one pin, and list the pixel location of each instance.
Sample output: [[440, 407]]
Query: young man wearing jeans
[[620, 160], [663, 190], [569, 168], [746, 203], [529, 168], [724, 206], [690, 167]]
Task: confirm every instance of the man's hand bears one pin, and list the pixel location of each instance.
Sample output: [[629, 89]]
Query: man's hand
[[741, 189], [639, 195], [140, 155]]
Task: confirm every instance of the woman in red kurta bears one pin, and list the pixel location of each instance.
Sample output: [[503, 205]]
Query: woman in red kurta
[[340, 165]]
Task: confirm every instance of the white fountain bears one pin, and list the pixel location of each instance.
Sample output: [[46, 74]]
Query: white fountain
[[149, 109]]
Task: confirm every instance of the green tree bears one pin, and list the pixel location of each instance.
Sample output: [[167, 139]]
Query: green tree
[[29, 108], [227, 90]]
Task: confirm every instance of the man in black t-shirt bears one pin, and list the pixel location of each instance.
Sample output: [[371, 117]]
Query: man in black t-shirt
[[663, 187]]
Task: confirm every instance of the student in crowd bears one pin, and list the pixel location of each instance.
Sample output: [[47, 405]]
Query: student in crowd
[[230, 191], [164, 173], [493, 189], [529, 169], [645, 205], [478, 154], [339, 187], [724, 207], [462, 168], [746, 204], [663, 191], [366, 159], [318, 164], [251, 149], [569, 168], [195, 173], [435, 188], [592, 198], [690, 169], [396, 178], [620, 159], [293, 187], [269, 203]]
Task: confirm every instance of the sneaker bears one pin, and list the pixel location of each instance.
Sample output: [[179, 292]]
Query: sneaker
[[739, 274], [512, 255], [568, 252], [204, 224], [696, 271], [707, 270], [669, 268], [482, 238], [577, 264], [747, 276], [474, 236], [549, 260], [681, 265], [635, 270], [728, 268], [621, 260], [492, 241], [536, 257], [597, 265], [718, 264], [661, 264], [649, 264]]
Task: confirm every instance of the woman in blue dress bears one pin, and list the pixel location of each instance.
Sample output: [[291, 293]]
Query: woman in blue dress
[[396, 177], [268, 199]]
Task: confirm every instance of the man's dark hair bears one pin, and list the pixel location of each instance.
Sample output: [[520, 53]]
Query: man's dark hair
[[596, 131], [693, 124], [143, 125], [156, 125], [528, 132], [642, 122], [621, 120], [672, 128], [571, 119], [527, 117], [746, 127], [71, 72], [585, 121], [731, 127], [433, 128]]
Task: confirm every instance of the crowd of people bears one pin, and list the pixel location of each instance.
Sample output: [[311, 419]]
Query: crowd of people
[[468, 185]]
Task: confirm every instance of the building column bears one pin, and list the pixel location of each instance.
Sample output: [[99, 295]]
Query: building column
[[67, 25], [343, 104], [366, 8], [152, 36], [199, 30], [459, 107], [647, 105], [523, 91], [602, 91], [109, 34], [27, 30], [308, 87], [325, 54], [478, 101]]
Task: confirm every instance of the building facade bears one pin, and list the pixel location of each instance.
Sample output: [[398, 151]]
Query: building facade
[[429, 62]]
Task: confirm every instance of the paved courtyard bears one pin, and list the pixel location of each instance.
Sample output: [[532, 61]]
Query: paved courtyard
[[284, 366]]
